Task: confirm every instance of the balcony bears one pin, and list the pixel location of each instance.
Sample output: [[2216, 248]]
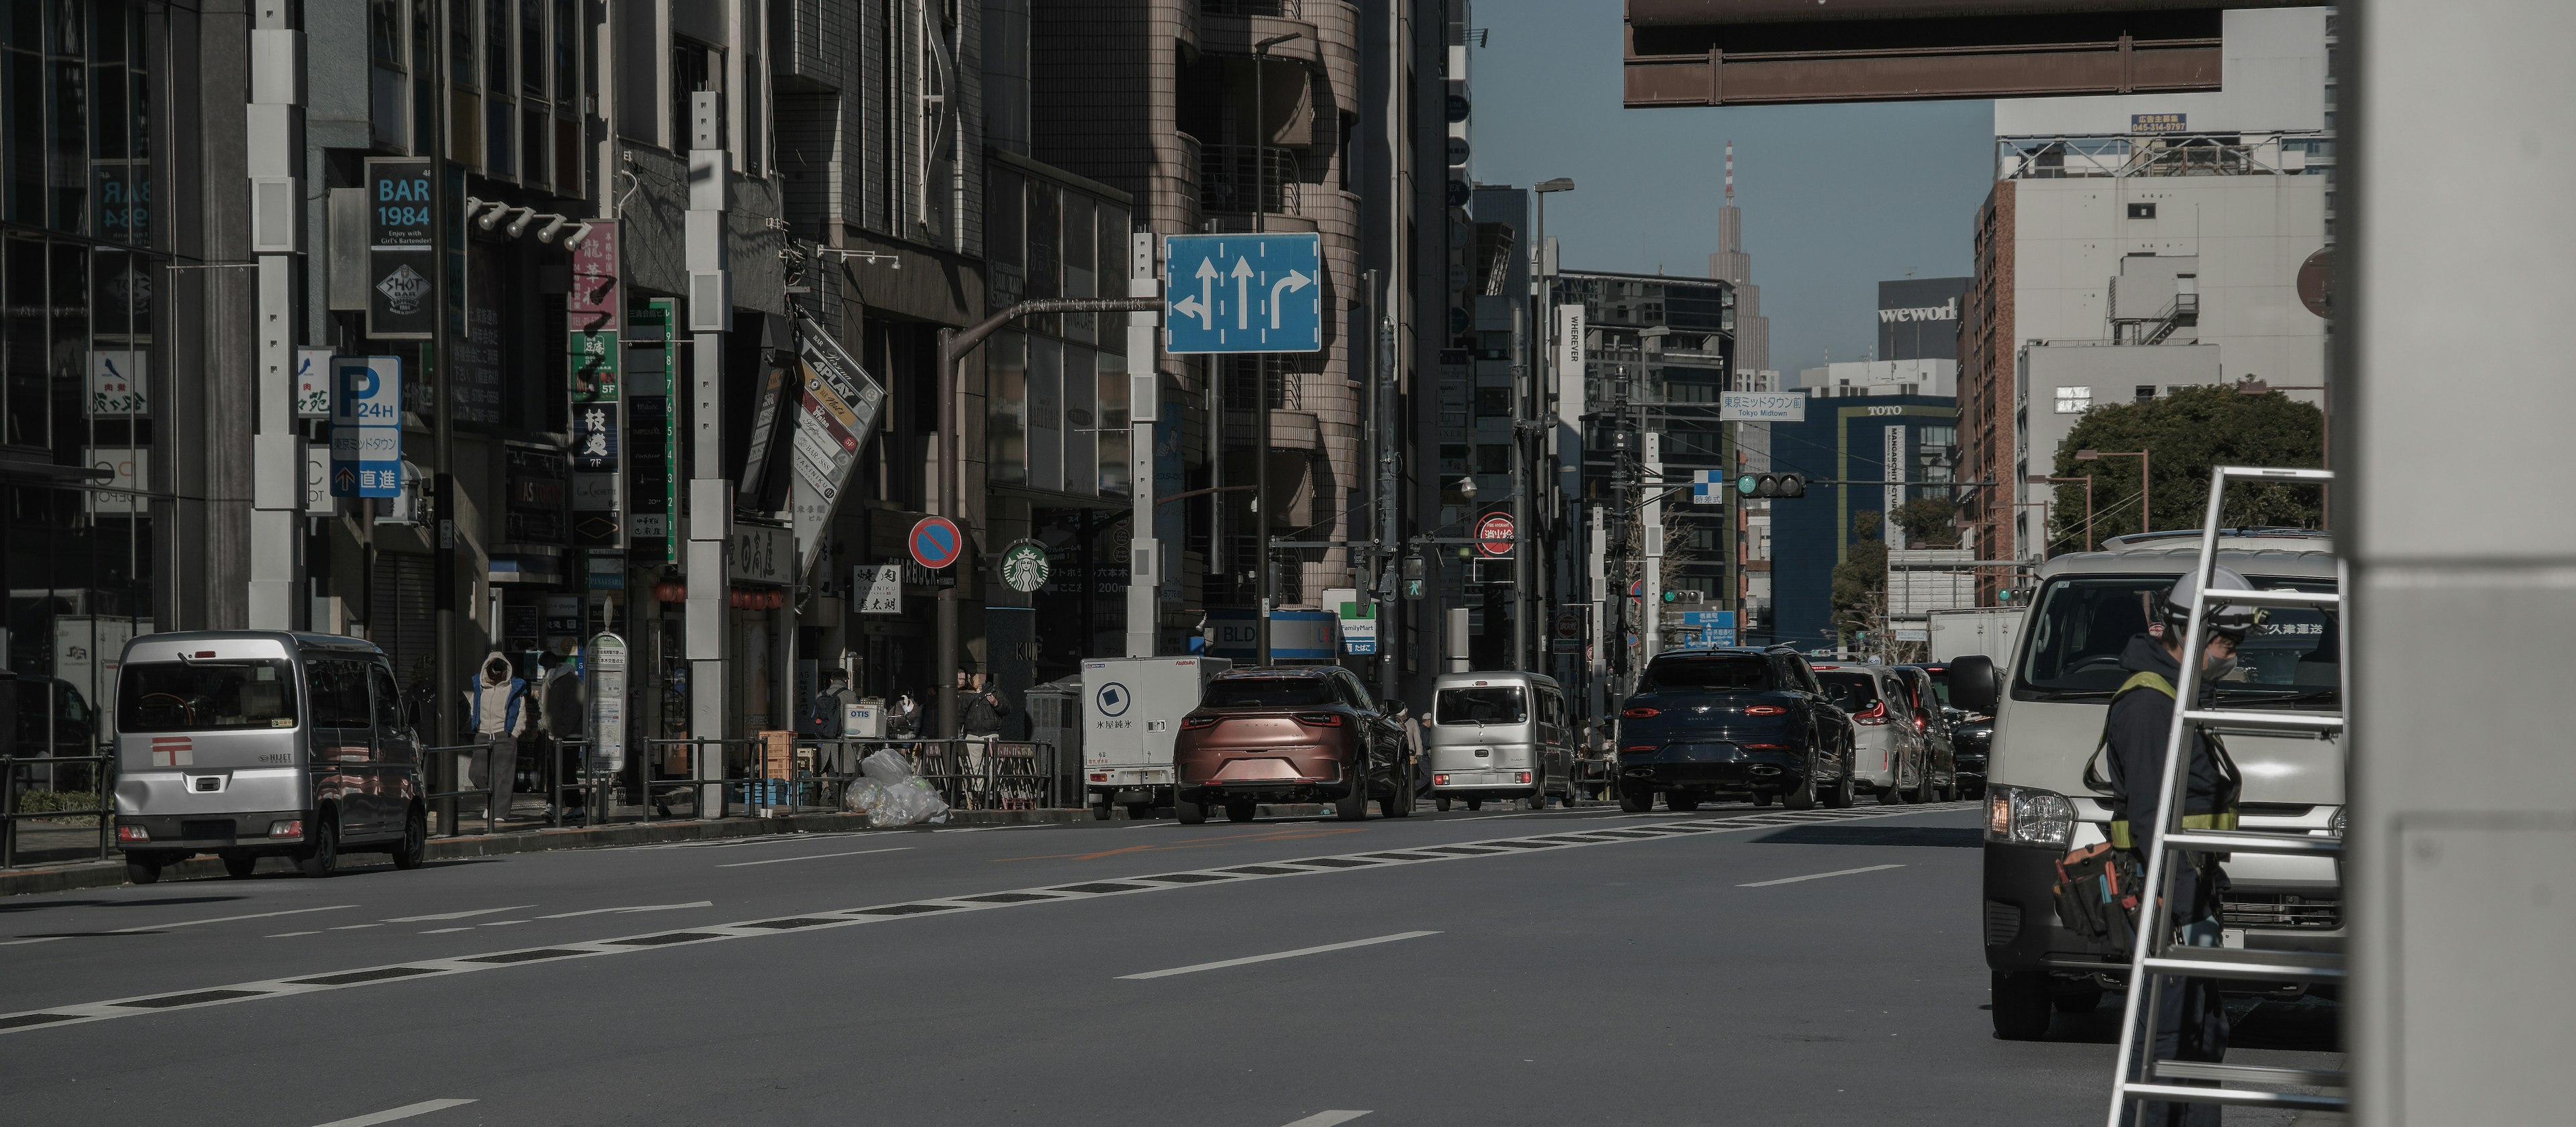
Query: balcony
[[1281, 9], [1247, 178]]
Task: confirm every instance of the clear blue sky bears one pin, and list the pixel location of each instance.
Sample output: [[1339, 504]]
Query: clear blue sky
[[1835, 198]]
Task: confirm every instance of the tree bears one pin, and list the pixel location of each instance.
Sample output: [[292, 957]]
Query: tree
[[1928, 520], [1860, 581], [2189, 430]]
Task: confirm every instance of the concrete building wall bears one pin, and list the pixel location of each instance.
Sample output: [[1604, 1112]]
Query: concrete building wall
[[2105, 374]]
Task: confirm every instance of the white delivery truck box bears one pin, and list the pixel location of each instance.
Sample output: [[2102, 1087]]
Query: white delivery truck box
[[1131, 710], [1983, 631]]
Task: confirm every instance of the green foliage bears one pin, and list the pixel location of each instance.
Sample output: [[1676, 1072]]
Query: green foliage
[[2189, 430], [1860, 581], [47, 801], [1927, 520]]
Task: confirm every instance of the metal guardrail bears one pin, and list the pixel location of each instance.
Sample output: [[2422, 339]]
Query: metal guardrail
[[10, 815]]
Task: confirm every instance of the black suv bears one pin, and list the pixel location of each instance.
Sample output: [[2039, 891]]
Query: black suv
[[1734, 721]]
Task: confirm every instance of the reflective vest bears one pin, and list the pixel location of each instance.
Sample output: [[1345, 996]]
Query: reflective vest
[[2224, 818]]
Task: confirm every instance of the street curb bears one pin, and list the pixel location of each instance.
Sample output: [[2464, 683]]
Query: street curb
[[93, 874]]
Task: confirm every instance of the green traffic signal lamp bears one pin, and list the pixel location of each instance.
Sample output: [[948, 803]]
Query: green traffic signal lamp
[[1771, 485]]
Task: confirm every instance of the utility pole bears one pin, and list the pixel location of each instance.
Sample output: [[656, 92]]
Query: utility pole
[[1261, 363], [1526, 404], [710, 316], [1650, 593], [275, 156], [1390, 618], [1144, 409]]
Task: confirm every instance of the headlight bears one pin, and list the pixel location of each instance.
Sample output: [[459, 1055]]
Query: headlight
[[2338, 825], [2026, 816]]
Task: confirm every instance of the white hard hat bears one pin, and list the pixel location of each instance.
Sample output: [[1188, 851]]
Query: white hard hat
[[2234, 620]]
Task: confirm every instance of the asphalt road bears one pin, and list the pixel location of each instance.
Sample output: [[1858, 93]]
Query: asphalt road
[[1732, 966]]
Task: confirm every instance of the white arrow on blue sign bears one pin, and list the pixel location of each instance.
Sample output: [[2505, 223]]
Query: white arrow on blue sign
[[1243, 293]]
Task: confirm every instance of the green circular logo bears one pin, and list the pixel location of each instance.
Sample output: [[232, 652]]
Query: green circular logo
[[1024, 566]]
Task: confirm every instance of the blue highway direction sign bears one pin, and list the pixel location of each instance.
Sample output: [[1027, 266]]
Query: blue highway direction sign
[[1243, 293]]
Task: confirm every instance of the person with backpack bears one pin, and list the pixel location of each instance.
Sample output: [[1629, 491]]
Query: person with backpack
[[2191, 1019], [497, 711]]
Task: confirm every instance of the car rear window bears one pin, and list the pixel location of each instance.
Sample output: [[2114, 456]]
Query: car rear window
[[1268, 692], [1732, 671], [1851, 692], [1489, 704], [206, 696]]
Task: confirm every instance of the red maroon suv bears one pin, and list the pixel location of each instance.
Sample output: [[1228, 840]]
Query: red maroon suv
[[1289, 734]]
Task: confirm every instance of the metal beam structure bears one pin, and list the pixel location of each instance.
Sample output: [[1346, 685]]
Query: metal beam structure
[[1774, 52]]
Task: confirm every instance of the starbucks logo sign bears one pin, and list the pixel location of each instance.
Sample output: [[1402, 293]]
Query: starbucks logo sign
[[1024, 566]]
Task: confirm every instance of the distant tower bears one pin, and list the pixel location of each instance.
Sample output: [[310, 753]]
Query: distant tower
[[1732, 265]]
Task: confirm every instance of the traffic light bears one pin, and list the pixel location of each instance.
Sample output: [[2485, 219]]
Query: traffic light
[[1771, 485]]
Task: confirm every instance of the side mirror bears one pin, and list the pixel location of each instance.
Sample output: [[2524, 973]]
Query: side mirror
[[1974, 684]]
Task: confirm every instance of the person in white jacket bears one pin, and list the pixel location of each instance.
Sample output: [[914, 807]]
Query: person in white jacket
[[496, 715]]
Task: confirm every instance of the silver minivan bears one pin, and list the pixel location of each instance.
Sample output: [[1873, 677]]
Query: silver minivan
[[1498, 737], [248, 743]]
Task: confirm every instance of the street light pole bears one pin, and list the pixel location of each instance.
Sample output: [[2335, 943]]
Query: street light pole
[[1525, 399], [2043, 479], [1261, 363], [954, 346]]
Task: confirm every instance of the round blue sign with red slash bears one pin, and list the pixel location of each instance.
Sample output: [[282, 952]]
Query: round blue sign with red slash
[[936, 543]]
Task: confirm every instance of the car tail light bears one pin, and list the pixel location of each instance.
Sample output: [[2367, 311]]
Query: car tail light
[[1919, 725], [1194, 723], [1764, 747], [1640, 712], [286, 827], [1766, 710], [1100, 777], [133, 833], [1638, 747], [1874, 714], [1439, 780], [1320, 719], [1524, 777]]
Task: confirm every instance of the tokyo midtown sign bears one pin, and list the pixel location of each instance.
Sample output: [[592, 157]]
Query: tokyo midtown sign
[[1762, 406]]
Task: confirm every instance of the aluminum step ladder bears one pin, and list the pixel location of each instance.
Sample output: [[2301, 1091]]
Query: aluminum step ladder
[[2155, 954]]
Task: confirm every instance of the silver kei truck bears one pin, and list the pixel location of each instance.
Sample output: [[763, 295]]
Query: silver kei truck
[[247, 744]]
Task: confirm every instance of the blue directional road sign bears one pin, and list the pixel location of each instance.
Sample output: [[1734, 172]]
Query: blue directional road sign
[[1243, 293], [1716, 628]]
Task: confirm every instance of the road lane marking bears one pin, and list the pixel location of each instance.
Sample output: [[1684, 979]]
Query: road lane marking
[[445, 930], [354, 927], [289, 934], [455, 915], [406, 1111], [814, 857], [982, 901], [634, 908], [1328, 1118], [1221, 964], [139, 928], [1818, 876]]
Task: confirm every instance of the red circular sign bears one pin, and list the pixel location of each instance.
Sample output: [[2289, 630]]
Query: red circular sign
[[935, 542], [1494, 535]]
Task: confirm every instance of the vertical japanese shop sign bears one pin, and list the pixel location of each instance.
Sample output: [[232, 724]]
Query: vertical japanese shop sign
[[400, 254]]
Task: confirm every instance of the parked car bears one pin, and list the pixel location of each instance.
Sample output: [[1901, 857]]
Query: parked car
[[1733, 721], [1971, 733], [1931, 721], [1497, 737], [1289, 734], [1888, 753], [245, 743]]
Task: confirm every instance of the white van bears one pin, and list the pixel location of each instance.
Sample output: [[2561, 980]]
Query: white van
[[2053, 693], [1498, 737]]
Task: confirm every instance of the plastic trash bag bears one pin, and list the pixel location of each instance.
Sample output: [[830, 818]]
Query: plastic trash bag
[[891, 795]]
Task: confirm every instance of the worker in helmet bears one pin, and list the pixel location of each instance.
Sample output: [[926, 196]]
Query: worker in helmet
[[2191, 1020]]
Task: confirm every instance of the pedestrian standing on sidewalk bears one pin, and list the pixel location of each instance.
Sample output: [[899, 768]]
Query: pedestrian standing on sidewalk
[[564, 714], [496, 715], [983, 711]]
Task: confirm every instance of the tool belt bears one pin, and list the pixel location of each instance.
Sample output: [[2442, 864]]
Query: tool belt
[[2097, 895]]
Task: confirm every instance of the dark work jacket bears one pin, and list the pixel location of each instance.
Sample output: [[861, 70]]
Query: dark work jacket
[[2140, 721]]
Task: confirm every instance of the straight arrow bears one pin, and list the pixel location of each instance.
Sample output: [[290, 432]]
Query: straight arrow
[[1242, 294], [1294, 282], [1207, 294]]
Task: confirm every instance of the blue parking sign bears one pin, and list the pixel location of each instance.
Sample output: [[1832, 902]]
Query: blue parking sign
[[366, 426], [1243, 293]]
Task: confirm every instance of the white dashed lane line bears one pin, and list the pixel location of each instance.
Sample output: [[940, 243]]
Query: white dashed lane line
[[138, 928], [1328, 1118], [1274, 956], [815, 857], [456, 915], [1819, 876], [1569, 837], [630, 908], [406, 1111]]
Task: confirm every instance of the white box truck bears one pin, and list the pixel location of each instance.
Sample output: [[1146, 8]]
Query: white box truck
[[1984, 631], [1132, 709]]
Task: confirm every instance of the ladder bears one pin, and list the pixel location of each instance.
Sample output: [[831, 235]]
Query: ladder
[[2154, 955]]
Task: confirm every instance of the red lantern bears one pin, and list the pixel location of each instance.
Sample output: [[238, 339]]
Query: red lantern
[[734, 598], [777, 599], [671, 591]]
